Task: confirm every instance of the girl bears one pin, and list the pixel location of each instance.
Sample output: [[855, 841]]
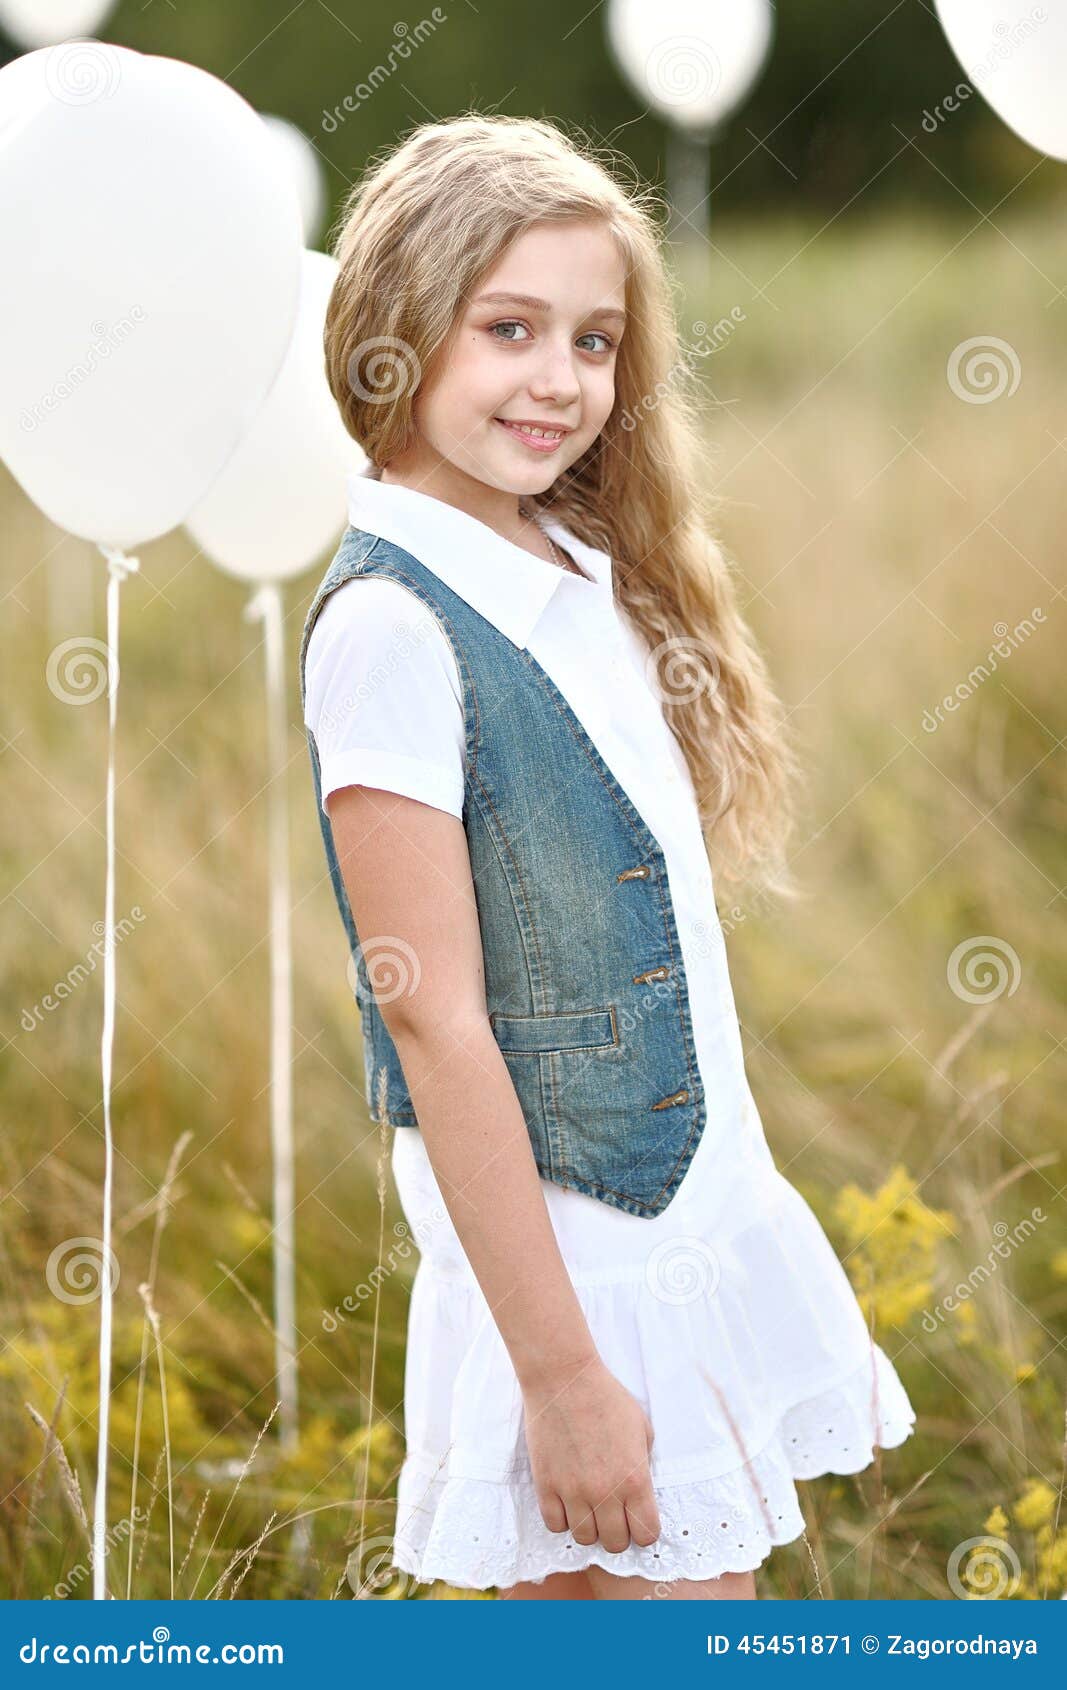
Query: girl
[[533, 711]]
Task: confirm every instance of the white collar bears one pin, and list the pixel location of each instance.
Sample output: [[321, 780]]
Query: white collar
[[502, 582]]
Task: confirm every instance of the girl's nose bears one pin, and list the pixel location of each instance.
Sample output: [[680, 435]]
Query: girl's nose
[[556, 378]]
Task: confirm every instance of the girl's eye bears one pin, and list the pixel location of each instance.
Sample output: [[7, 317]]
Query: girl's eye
[[512, 323]]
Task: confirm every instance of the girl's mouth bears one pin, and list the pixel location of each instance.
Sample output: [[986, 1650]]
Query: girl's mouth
[[546, 441]]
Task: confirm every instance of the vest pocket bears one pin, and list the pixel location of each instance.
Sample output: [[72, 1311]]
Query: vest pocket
[[538, 1035]]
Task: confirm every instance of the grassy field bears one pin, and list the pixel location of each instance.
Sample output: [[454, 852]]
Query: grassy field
[[892, 520]]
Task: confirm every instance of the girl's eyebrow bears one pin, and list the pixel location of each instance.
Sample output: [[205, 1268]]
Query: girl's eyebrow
[[531, 304]]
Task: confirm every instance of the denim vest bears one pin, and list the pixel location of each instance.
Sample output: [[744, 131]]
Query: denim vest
[[584, 977]]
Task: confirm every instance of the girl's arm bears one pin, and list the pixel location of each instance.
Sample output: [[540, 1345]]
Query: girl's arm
[[407, 873]]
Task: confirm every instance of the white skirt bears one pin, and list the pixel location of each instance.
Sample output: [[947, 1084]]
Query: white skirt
[[729, 1318]]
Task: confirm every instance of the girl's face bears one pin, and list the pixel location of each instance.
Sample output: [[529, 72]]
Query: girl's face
[[536, 343]]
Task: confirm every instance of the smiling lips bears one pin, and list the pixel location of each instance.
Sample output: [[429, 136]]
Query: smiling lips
[[537, 438]]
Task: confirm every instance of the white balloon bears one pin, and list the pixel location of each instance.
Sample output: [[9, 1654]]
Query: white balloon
[[298, 158], [281, 500], [150, 283], [37, 23], [1016, 56], [694, 60]]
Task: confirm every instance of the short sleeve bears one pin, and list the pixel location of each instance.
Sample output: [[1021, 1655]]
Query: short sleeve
[[382, 695]]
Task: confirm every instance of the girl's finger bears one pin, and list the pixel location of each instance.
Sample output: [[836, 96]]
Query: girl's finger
[[581, 1519], [642, 1516], [553, 1512], [612, 1526]]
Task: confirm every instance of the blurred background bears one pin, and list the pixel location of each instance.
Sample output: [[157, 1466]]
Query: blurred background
[[874, 284]]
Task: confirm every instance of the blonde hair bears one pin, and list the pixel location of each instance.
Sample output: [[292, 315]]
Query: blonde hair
[[414, 237]]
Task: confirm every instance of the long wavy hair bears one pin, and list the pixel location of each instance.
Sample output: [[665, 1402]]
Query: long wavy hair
[[415, 236]]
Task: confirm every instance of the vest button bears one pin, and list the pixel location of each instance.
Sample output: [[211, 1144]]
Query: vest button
[[642, 872], [675, 1097]]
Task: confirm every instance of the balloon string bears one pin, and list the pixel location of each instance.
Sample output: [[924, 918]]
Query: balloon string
[[265, 605], [119, 567]]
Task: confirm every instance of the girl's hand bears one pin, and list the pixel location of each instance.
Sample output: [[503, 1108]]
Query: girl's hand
[[589, 1441]]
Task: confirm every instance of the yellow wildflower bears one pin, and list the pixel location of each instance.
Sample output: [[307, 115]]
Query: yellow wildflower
[[1035, 1506], [997, 1523], [964, 1317], [1051, 1562], [893, 1238]]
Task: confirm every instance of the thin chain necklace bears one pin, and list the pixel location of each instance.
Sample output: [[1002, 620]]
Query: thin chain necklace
[[557, 556]]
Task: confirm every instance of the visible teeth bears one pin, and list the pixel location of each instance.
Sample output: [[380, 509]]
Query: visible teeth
[[539, 433]]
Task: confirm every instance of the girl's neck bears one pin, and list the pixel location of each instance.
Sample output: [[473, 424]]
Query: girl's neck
[[507, 514]]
